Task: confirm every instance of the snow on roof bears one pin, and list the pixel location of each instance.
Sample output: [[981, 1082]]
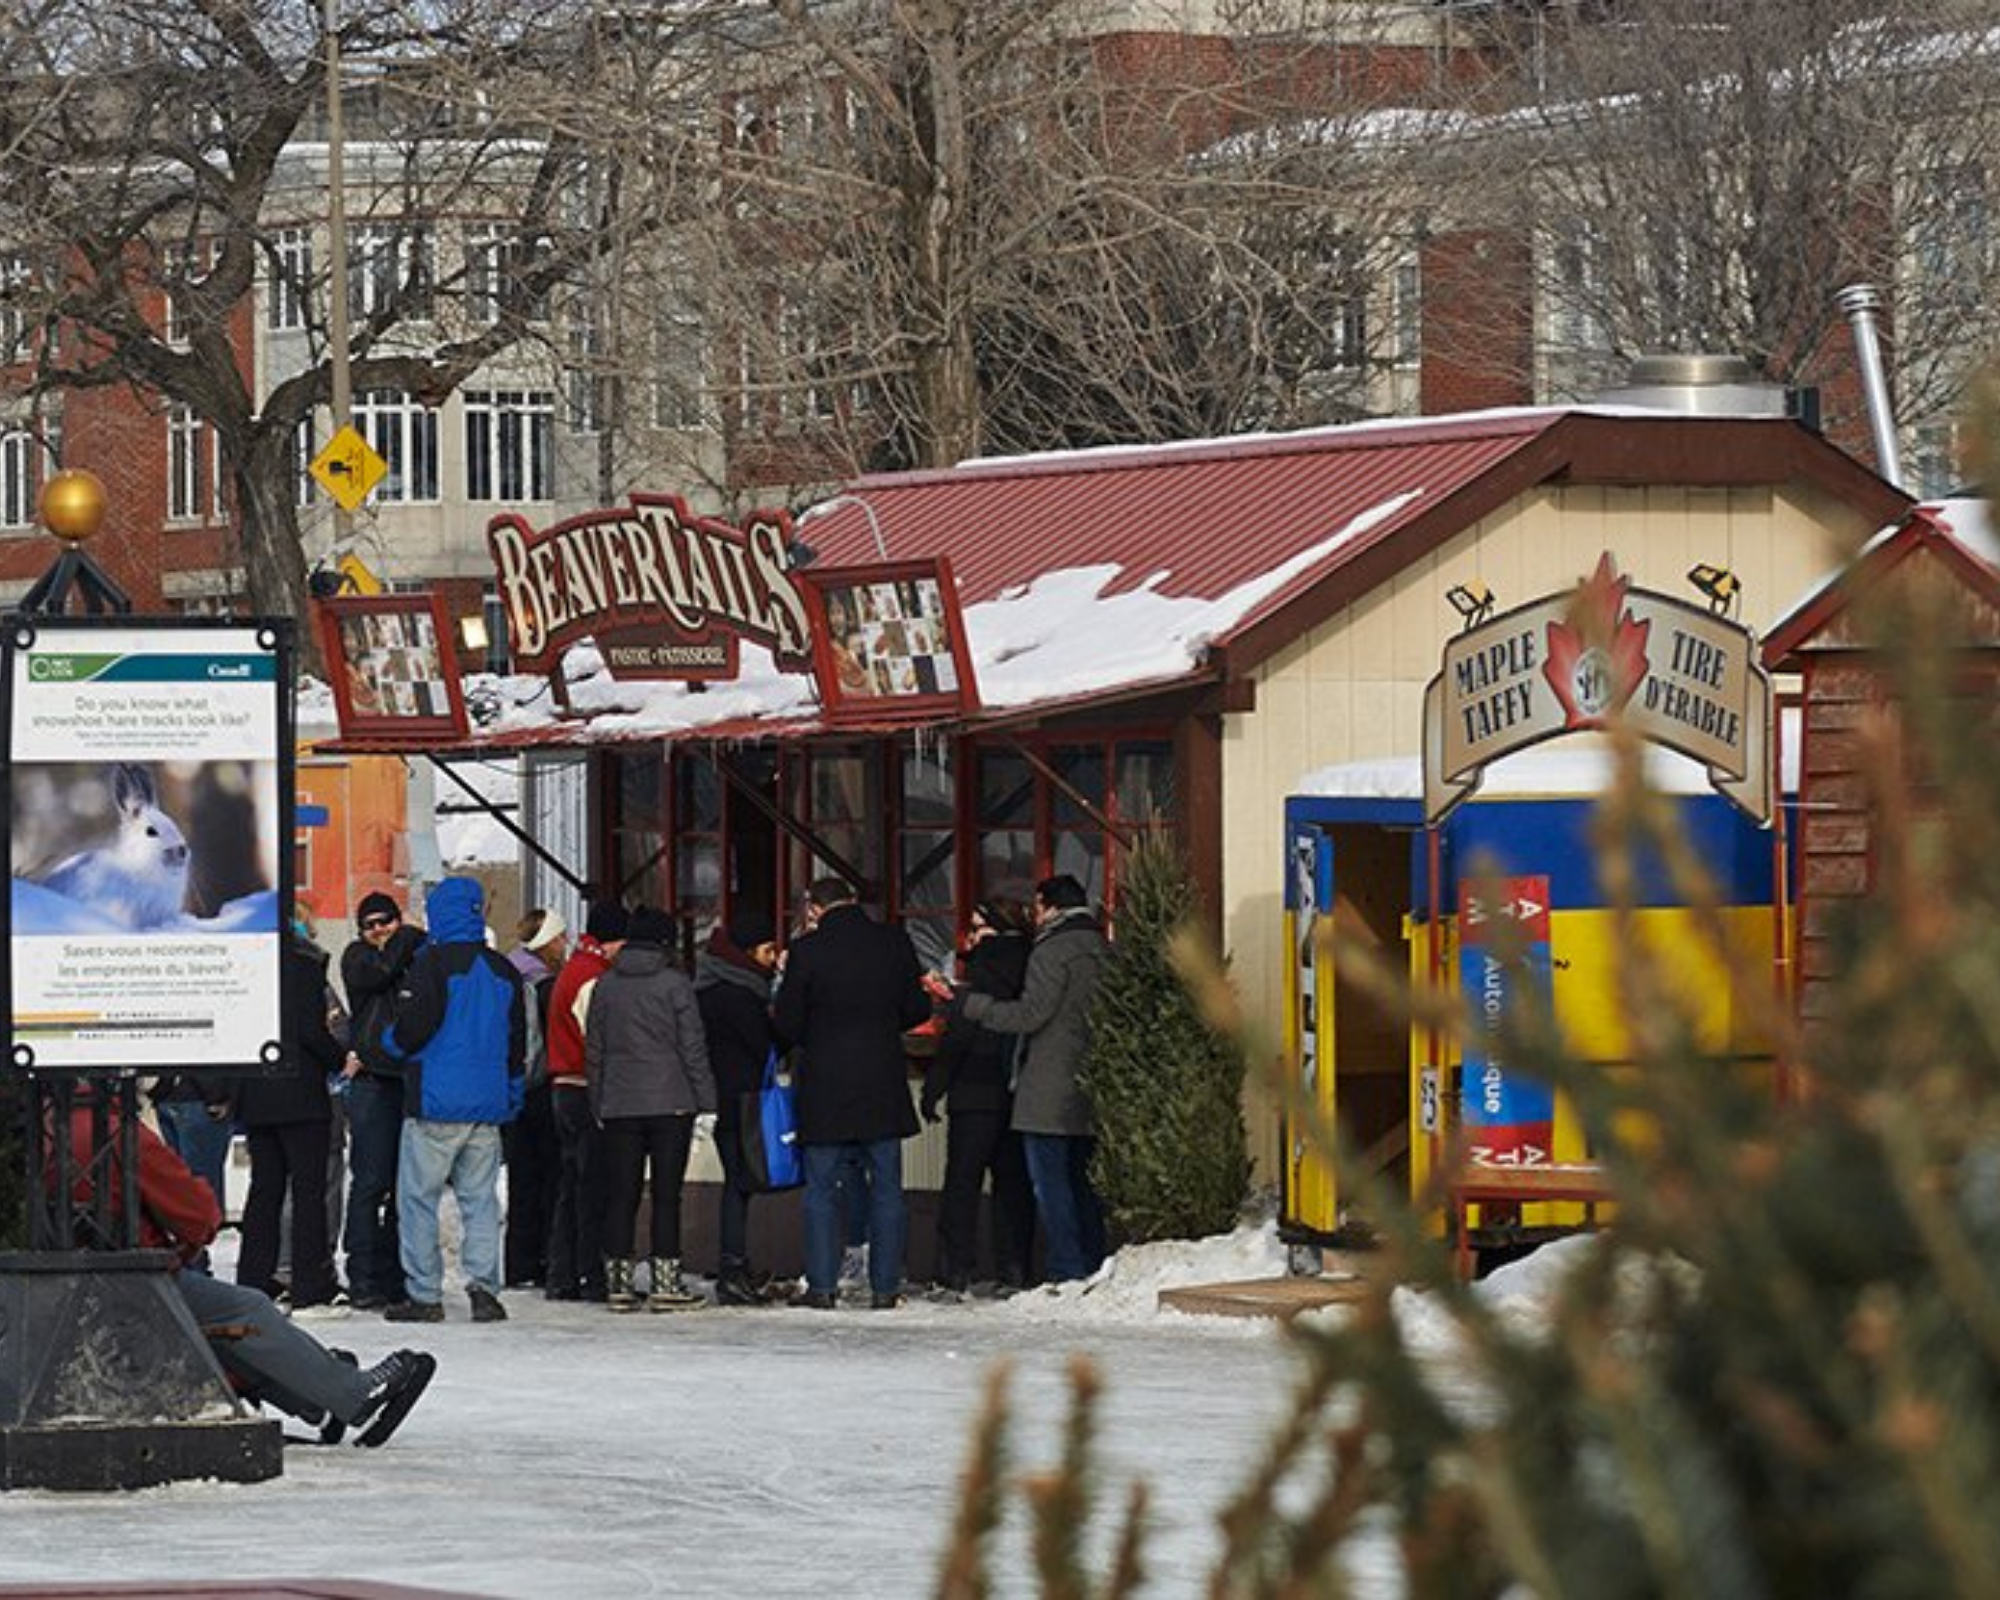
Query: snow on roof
[[1060, 636], [1580, 764], [1968, 523]]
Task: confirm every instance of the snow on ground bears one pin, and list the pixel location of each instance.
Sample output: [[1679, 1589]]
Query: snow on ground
[[768, 1452]]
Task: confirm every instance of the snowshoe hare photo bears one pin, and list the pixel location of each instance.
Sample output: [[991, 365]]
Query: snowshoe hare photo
[[140, 876]]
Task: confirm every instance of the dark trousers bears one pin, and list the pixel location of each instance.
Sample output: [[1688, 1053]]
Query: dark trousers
[[1072, 1216], [834, 1173], [287, 1156], [630, 1145], [374, 1147], [976, 1143], [576, 1233], [733, 1221], [533, 1155], [277, 1360]]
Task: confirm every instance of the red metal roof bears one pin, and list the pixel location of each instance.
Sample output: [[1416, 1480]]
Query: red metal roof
[[1209, 516], [1206, 517]]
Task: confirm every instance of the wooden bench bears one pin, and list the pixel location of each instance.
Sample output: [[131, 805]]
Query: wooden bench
[[1476, 1185]]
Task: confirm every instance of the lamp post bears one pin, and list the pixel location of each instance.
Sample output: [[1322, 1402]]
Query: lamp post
[[105, 1381], [834, 503]]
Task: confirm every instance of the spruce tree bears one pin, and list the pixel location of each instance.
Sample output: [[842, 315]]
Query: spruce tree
[[1166, 1089]]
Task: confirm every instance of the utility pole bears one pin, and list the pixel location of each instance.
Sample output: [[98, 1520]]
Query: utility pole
[[337, 333]]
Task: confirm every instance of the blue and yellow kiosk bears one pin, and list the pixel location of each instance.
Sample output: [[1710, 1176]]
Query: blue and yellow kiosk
[[1421, 858]]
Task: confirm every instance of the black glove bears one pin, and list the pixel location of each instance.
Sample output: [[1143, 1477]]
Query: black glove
[[930, 1108]]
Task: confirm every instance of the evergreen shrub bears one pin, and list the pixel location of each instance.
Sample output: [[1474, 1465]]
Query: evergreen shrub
[[1165, 1086]]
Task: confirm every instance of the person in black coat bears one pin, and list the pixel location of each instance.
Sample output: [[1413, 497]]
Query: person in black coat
[[851, 989], [732, 986], [972, 1076], [371, 968], [287, 1116]]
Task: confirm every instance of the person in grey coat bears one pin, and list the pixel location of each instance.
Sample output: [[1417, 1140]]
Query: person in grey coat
[[1051, 1112], [647, 1061]]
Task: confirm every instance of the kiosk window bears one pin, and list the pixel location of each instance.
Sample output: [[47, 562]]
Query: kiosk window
[[638, 829], [925, 902], [697, 828], [843, 806]]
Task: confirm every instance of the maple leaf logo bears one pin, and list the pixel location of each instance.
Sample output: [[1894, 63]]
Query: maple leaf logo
[[1597, 658]]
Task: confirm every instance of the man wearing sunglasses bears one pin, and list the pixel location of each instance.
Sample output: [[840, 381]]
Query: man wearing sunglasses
[[371, 967]]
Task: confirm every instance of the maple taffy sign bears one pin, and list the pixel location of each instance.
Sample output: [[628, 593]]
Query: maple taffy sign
[[1676, 674], [665, 593]]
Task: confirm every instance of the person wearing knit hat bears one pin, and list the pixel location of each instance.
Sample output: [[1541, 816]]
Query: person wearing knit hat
[[529, 1144], [576, 1229], [607, 922], [376, 910], [649, 1079], [371, 967], [732, 986]]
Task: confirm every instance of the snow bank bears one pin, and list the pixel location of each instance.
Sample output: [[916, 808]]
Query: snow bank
[[1126, 1289]]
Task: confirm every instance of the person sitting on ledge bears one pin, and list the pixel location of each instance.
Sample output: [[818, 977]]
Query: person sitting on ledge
[[268, 1357]]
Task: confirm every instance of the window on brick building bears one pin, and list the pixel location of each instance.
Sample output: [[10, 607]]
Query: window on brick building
[[405, 435], [180, 265], [392, 266], [20, 478], [290, 297], [510, 444], [188, 494], [16, 280], [1408, 311]]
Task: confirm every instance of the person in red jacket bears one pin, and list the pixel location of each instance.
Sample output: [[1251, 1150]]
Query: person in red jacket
[[267, 1356], [576, 1229]]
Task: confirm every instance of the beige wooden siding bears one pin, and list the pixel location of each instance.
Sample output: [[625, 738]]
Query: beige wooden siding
[[1352, 690]]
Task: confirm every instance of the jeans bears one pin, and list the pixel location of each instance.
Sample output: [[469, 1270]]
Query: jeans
[[576, 1231], [374, 1147], [1072, 1216], [278, 1361], [632, 1145], [829, 1169], [200, 1140], [464, 1157]]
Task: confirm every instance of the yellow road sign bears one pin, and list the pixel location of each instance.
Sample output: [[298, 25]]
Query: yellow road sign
[[348, 468], [360, 577]]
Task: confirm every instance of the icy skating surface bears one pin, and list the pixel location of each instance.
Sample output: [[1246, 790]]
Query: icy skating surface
[[775, 1451], [767, 1452]]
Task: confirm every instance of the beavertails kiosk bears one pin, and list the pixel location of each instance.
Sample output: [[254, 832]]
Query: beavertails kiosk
[[1498, 834]]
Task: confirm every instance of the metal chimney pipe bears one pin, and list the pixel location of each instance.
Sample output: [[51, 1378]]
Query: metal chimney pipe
[[1859, 302]]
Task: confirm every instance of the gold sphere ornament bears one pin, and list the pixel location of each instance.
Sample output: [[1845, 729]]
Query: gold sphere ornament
[[73, 504]]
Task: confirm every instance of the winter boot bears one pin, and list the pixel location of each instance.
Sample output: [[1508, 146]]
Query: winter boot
[[736, 1287], [619, 1295], [668, 1292]]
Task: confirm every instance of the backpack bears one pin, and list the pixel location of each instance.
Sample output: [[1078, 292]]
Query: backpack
[[534, 1005]]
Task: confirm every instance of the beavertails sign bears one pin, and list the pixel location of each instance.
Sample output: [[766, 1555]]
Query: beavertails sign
[[665, 593], [1676, 674]]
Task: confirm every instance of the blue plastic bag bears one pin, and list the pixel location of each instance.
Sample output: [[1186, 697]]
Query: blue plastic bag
[[771, 1133]]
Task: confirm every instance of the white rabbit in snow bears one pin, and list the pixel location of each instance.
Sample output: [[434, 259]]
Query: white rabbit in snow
[[140, 877]]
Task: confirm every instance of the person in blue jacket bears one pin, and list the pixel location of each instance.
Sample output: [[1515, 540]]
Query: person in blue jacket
[[461, 1031]]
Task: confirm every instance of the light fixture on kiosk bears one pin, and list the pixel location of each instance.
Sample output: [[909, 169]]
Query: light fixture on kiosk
[[1718, 583], [472, 634], [1472, 600]]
